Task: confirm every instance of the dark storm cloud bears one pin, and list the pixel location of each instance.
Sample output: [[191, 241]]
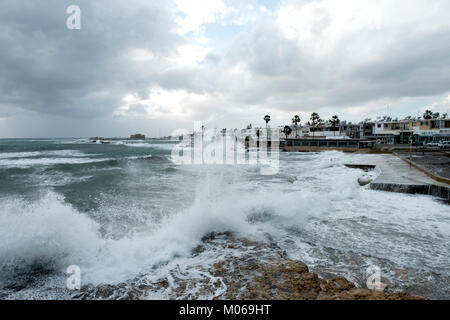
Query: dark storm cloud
[[50, 69]]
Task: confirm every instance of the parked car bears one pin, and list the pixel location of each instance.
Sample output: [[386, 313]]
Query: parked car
[[444, 145], [432, 144]]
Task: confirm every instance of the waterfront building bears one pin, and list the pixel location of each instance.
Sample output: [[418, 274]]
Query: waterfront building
[[389, 131], [350, 130], [137, 136], [320, 144], [383, 131]]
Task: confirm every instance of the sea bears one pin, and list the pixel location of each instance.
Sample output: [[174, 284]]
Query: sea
[[124, 213]]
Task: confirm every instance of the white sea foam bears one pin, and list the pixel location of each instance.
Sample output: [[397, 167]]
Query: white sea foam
[[60, 153], [7, 155], [162, 146], [45, 231], [30, 162]]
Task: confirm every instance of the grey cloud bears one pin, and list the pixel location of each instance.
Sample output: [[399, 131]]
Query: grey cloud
[[138, 108], [47, 69], [50, 69], [289, 77]]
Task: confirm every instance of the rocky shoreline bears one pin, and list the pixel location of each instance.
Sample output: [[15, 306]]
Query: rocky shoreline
[[262, 272]]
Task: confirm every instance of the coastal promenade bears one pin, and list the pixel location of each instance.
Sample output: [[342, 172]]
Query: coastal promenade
[[398, 176], [434, 164]]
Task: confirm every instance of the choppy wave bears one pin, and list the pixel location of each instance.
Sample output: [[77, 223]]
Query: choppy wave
[[61, 153], [47, 232], [103, 260], [162, 146], [27, 162], [314, 209], [7, 155]]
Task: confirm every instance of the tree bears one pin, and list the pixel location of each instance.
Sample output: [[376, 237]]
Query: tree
[[296, 120], [334, 123], [287, 131], [315, 120], [267, 120], [428, 115], [258, 134]]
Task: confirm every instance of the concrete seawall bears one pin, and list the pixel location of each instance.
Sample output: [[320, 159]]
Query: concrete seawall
[[397, 176], [432, 190]]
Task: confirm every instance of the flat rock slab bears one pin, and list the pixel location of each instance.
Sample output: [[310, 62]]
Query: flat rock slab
[[398, 176], [396, 171]]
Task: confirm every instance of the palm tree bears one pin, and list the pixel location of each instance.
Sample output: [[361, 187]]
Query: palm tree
[[258, 134], [334, 123], [294, 125], [296, 121], [315, 121], [287, 131], [267, 120], [428, 114]]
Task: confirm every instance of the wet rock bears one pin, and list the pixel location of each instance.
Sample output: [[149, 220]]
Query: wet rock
[[364, 180], [399, 271], [16, 287], [262, 271], [198, 250], [163, 283], [105, 291], [404, 277], [219, 269]]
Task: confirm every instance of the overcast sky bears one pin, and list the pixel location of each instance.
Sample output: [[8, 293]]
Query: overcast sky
[[154, 66]]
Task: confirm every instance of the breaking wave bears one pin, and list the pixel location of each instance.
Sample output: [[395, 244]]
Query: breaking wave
[[26, 162]]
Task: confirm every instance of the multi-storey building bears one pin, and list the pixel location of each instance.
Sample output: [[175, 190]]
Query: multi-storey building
[[386, 131], [411, 131]]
